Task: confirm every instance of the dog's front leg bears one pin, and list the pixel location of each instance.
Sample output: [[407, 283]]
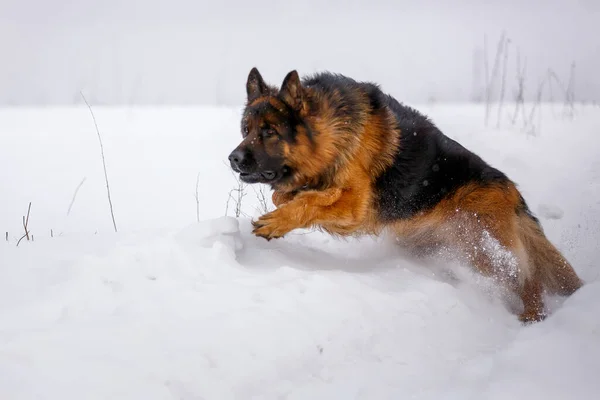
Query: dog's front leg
[[336, 206], [279, 198]]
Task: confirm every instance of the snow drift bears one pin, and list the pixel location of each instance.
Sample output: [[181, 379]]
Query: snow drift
[[173, 308]]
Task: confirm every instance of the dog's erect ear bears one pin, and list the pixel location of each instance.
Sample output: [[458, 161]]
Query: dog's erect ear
[[255, 86], [291, 90]]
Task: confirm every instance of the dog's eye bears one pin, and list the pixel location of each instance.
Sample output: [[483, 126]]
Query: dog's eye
[[269, 132], [245, 131]]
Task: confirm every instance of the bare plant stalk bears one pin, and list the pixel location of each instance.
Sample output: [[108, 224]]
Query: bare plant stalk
[[229, 197], [552, 75], [26, 221], [567, 91], [551, 92], [520, 93], [538, 100], [570, 93], [503, 82], [25, 224], [492, 78], [197, 199], [75, 195], [486, 69], [262, 199], [240, 193], [51, 233], [103, 161], [6, 236]]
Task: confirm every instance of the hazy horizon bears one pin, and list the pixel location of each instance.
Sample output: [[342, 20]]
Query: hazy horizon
[[198, 52]]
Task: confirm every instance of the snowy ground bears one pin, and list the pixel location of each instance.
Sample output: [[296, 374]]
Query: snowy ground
[[172, 308]]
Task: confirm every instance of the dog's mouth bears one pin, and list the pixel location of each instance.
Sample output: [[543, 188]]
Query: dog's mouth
[[268, 176]]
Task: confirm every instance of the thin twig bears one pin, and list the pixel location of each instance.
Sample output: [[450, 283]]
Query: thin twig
[[103, 161], [553, 76], [262, 199], [75, 195], [551, 92], [22, 237], [486, 69], [534, 108], [26, 221], [241, 193], [520, 93], [492, 78], [25, 224], [570, 95], [197, 199], [503, 82]]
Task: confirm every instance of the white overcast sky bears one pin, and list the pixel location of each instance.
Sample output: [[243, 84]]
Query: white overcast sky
[[198, 51]]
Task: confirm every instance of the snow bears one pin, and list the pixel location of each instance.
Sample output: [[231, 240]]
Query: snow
[[550, 211], [173, 308]]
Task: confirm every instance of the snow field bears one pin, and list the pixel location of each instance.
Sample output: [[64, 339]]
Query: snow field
[[170, 308]]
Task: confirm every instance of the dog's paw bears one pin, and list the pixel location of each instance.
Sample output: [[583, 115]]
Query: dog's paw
[[272, 225], [531, 317]]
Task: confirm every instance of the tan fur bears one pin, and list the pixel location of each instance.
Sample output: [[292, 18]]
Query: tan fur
[[555, 271], [352, 176], [474, 215]]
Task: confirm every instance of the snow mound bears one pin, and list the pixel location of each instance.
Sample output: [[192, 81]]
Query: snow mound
[[213, 312], [549, 211]]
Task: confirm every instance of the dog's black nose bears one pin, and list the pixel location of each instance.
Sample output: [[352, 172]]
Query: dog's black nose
[[236, 158]]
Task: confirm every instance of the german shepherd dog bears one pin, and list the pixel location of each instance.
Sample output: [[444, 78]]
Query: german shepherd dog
[[346, 158]]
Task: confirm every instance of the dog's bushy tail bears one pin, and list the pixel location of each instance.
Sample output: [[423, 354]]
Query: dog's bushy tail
[[556, 273]]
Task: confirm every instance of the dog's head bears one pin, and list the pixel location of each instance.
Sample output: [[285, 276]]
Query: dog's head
[[271, 126]]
